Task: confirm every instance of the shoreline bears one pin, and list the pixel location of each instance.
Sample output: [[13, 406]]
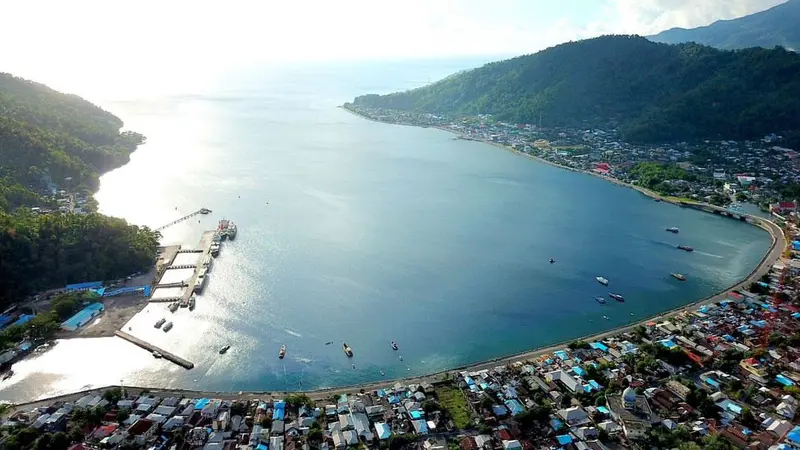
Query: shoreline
[[772, 255]]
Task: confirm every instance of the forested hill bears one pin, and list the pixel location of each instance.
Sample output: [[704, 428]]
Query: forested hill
[[46, 135], [775, 26], [652, 91], [51, 140]]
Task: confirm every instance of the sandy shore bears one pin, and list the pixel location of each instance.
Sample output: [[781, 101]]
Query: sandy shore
[[773, 255]]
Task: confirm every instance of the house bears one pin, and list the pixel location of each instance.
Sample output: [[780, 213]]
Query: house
[[346, 422], [565, 379], [173, 423], [361, 423], [434, 444], [468, 443], [383, 431], [420, 426], [512, 445], [142, 430], [56, 422], [104, 431], [277, 428], [632, 412], [222, 421], [783, 207], [574, 416], [788, 407]]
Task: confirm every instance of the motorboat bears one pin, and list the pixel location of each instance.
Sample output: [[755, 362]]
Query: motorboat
[[602, 280], [282, 352], [394, 345], [600, 300], [223, 350], [160, 322], [347, 350], [617, 297]]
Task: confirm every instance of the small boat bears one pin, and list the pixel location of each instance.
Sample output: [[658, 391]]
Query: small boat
[[157, 355], [173, 307], [658, 200], [8, 375], [215, 249], [600, 300], [617, 297], [282, 353], [678, 276], [606, 317], [394, 345], [167, 327], [673, 229], [601, 280], [686, 248], [191, 303], [160, 322], [224, 349], [401, 358], [552, 260], [347, 350], [329, 343], [383, 374]]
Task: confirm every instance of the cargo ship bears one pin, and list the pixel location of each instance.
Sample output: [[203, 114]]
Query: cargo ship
[[601, 280]]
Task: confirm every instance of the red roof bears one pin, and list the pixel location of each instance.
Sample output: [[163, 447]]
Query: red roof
[[505, 435], [787, 205], [603, 166], [141, 426]]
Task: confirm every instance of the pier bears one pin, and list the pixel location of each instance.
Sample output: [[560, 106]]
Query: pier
[[152, 348], [186, 217]]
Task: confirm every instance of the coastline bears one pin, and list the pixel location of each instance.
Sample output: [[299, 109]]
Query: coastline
[[773, 254]]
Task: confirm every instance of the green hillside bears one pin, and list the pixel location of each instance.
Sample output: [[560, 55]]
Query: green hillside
[[651, 91], [49, 139]]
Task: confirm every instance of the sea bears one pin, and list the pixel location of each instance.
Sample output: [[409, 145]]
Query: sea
[[362, 232]]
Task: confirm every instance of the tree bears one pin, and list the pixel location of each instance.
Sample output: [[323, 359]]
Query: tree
[[112, 395], [315, 435], [430, 406], [266, 422], [123, 414], [298, 400], [60, 441], [747, 418]]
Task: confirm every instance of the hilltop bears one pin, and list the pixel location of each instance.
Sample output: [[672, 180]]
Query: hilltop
[[650, 91], [775, 26]]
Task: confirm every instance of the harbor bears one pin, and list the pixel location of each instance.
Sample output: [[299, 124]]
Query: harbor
[[155, 350]]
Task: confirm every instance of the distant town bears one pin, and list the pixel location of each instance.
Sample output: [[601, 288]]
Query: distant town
[[716, 172]]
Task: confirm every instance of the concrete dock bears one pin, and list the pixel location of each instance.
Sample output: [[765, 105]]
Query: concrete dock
[[152, 348]]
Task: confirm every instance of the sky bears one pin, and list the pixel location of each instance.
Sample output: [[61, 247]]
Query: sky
[[67, 43]]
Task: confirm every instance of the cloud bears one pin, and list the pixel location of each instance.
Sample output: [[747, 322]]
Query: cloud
[[652, 16]]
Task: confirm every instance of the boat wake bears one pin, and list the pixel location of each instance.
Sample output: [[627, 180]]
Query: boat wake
[[293, 333], [708, 254]]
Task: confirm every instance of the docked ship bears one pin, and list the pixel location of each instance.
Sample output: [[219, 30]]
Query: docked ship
[[215, 249], [167, 327], [160, 322], [678, 276], [601, 280], [226, 230], [224, 349], [173, 307], [617, 297], [282, 353], [347, 350], [673, 229], [191, 303], [600, 300], [686, 248]]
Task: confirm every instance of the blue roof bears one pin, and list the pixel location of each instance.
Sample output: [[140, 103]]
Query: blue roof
[[280, 404], [515, 406], [595, 385], [416, 414], [796, 315], [667, 343], [712, 382], [384, 432], [394, 399], [603, 410], [277, 414], [262, 446], [561, 354], [556, 423], [794, 435], [82, 286], [381, 393], [783, 380], [23, 319], [201, 403], [564, 439], [599, 346], [578, 371], [5, 319], [500, 410], [469, 381], [82, 317], [759, 323]]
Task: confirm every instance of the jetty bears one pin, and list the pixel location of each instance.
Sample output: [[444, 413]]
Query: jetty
[[152, 348], [186, 217]]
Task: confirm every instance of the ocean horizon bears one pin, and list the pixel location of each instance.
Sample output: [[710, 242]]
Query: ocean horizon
[[361, 232]]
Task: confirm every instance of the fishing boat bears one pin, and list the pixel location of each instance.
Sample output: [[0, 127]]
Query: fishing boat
[[347, 350], [160, 322], [600, 300], [224, 349], [215, 249], [673, 229], [173, 307], [394, 345], [157, 355], [678, 276], [617, 297], [601, 280], [282, 353], [606, 317], [167, 327], [191, 303], [686, 248]]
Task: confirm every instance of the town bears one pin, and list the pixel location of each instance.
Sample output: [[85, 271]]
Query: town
[[723, 173]]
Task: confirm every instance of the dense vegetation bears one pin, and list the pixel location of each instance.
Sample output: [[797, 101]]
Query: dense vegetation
[[655, 176], [775, 26], [45, 324], [653, 92], [52, 140]]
